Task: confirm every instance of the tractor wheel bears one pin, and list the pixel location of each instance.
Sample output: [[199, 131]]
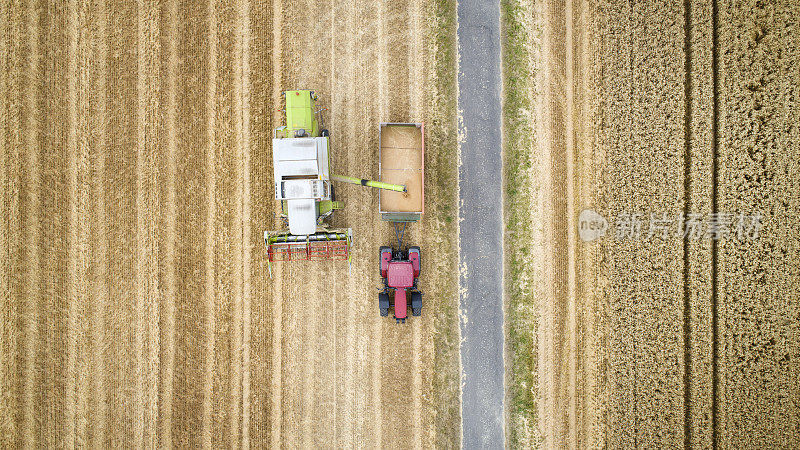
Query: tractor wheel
[[416, 303], [415, 249], [383, 303], [324, 133], [380, 253]]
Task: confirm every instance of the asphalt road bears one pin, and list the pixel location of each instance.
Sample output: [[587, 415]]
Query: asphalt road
[[481, 233]]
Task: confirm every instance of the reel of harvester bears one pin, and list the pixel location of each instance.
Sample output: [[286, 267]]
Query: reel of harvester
[[323, 245]]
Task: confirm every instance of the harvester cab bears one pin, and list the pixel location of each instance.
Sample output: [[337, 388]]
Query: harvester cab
[[301, 165]]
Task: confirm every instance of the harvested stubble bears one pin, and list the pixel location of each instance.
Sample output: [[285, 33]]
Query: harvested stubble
[[136, 307]]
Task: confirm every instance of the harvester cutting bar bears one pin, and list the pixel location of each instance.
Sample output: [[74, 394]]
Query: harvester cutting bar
[[369, 183], [323, 245], [303, 251], [288, 238]]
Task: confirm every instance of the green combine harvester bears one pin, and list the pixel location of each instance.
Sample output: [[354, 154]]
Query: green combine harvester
[[301, 162]]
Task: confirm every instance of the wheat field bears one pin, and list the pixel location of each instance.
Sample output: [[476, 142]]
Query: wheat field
[[671, 109]]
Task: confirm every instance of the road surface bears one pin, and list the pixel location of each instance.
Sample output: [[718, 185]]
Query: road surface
[[481, 230]]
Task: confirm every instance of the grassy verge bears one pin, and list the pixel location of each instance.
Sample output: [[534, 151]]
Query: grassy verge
[[519, 85], [441, 217]]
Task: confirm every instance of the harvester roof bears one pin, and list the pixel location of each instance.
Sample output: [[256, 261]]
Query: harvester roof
[[299, 157]]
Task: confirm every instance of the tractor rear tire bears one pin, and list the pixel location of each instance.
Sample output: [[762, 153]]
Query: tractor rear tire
[[416, 303], [383, 303]]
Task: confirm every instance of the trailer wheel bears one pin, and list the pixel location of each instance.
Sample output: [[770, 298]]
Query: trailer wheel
[[383, 303]]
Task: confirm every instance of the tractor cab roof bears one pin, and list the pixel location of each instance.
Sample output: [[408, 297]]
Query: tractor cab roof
[[400, 274]]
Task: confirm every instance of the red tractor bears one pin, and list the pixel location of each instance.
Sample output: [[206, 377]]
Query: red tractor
[[400, 270]]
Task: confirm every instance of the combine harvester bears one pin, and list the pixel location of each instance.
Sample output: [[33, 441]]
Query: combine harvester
[[301, 161]]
